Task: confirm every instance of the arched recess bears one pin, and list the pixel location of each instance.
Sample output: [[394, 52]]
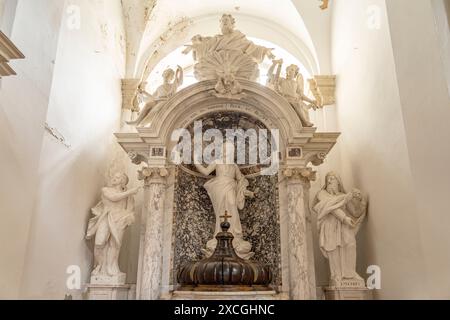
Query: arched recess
[[197, 101], [255, 27]]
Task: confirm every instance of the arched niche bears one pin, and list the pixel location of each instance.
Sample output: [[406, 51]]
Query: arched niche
[[194, 221], [197, 100]]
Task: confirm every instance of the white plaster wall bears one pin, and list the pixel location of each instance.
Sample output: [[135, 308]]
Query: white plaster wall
[[391, 110], [23, 107], [425, 104], [85, 108], [7, 15], [373, 146], [442, 17]]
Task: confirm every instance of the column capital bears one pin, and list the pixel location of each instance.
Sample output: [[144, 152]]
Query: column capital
[[153, 175], [300, 174]]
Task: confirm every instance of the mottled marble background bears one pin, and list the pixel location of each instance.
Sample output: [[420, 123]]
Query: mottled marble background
[[194, 221]]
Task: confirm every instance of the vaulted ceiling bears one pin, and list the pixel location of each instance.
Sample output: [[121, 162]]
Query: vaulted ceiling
[[155, 28]]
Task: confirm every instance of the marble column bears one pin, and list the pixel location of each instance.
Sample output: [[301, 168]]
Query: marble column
[[301, 262], [152, 254]]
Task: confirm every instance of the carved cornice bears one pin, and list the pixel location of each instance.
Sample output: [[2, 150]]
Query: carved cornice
[[8, 52], [153, 175]]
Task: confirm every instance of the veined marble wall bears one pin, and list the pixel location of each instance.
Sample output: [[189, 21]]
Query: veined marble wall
[[194, 218], [194, 222]]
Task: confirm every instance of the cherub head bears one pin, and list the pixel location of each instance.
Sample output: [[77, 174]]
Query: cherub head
[[292, 72], [196, 40], [168, 75], [227, 24], [120, 180]]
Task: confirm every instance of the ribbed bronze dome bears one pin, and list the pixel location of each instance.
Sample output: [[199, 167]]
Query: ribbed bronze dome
[[224, 270]]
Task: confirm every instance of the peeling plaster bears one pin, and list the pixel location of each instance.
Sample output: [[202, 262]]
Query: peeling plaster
[[57, 135]]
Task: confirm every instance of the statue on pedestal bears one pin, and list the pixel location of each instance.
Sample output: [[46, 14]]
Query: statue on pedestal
[[340, 216], [114, 213], [227, 57], [172, 81], [227, 191], [292, 88]]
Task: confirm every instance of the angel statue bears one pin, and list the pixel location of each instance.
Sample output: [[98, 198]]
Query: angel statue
[[112, 216], [172, 81], [340, 216], [227, 191], [292, 88]]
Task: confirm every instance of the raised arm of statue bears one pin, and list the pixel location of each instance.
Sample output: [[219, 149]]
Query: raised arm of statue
[[179, 77], [274, 76], [115, 196], [208, 170], [301, 93]]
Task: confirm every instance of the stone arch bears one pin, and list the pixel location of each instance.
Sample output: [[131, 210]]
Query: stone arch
[[197, 100]]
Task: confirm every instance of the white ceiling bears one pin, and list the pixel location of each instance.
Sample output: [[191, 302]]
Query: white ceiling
[[276, 21]]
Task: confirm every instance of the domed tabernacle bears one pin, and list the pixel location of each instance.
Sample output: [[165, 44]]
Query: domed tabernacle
[[224, 270]]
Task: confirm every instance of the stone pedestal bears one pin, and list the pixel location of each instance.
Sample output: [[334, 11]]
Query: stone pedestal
[[233, 296], [110, 292], [102, 280], [334, 293]]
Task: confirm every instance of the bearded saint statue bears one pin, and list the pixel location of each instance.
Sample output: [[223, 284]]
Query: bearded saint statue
[[340, 215]]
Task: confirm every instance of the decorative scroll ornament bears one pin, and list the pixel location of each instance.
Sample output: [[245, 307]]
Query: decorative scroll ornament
[[147, 173], [305, 174]]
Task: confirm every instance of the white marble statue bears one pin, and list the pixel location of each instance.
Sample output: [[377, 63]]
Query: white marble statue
[[114, 213], [227, 191], [340, 216], [230, 50], [292, 88], [172, 81]]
